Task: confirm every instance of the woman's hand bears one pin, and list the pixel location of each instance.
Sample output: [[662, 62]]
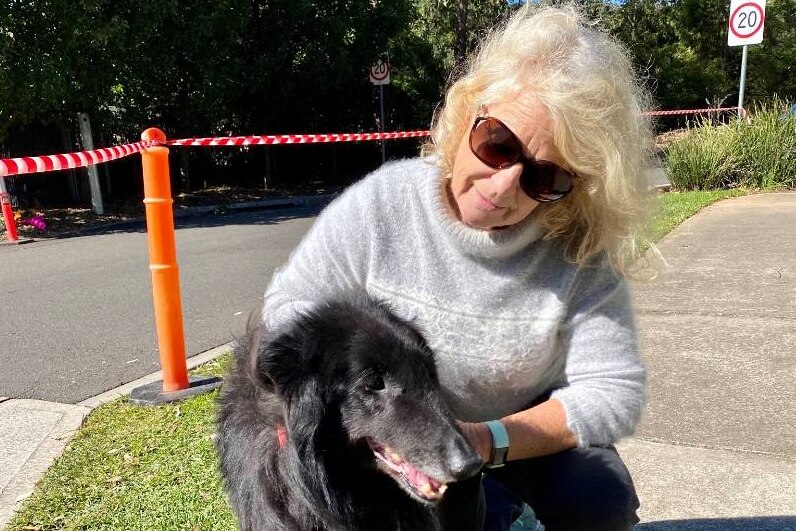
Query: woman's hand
[[540, 430], [480, 438]]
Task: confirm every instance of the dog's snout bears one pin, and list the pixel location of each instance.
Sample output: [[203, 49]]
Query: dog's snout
[[464, 460]]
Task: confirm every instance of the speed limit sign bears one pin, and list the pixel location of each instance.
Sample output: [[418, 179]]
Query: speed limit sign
[[380, 72], [746, 22]]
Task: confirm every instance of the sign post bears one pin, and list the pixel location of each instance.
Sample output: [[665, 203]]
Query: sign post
[[380, 75], [93, 178], [747, 18]]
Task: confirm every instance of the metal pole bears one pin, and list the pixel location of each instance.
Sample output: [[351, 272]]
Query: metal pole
[[743, 81], [381, 124], [93, 178]]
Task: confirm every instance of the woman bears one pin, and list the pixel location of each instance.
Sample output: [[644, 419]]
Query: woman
[[506, 244]]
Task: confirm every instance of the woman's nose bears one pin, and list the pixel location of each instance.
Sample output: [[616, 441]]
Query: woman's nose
[[506, 182]]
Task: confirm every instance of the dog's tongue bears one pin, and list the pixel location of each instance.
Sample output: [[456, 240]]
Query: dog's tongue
[[418, 478], [424, 484]]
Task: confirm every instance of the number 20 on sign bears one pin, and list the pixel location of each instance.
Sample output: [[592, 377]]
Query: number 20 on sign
[[746, 22]]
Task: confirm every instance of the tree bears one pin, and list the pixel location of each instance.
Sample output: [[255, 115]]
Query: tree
[[772, 64]]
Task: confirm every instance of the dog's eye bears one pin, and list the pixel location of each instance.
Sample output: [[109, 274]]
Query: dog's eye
[[374, 382]]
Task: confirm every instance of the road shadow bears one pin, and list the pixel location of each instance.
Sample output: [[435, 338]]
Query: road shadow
[[761, 523], [255, 215]]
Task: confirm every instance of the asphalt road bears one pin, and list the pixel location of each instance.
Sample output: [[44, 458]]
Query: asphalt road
[[76, 314]]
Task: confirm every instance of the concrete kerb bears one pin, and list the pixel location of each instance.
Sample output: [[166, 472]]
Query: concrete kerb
[[39, 431], [124, 390], [36, 434], [282, 202]]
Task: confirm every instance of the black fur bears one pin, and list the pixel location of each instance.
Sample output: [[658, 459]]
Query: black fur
[[347, 371]]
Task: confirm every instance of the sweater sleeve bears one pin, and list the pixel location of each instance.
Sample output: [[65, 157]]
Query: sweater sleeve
[[605, 389], [331, 257]]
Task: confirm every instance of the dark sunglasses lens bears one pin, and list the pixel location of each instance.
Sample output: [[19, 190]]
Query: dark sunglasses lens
[[494, 144], [545, 182]]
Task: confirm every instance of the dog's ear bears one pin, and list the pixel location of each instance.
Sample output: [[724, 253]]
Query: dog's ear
[[254, 347], [279, 363], [273, 359], [285, 363], [314, 433]]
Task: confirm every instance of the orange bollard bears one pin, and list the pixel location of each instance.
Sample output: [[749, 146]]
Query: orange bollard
[[165, 282], [8, 217], [163, 263]]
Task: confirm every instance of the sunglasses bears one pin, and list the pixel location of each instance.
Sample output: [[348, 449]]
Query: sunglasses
[[493, 143]]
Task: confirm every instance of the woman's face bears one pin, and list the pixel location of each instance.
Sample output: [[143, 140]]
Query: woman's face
[[485, 198]]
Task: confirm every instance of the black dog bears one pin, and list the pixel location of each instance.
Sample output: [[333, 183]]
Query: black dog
[[337, 422]]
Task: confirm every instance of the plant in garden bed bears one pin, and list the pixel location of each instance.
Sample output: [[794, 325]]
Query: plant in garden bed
[[757, 153]]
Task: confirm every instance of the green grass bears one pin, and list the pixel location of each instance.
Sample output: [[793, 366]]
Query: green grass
[[676, 207], [136, 468]]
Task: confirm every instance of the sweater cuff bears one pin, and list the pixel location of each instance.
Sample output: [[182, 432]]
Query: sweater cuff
[[571, 419]]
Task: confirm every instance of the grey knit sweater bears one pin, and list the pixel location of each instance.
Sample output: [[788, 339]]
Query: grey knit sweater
[[507, 317]]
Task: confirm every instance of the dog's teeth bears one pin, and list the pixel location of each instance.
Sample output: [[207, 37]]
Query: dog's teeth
[[442, 489], [426, 489], [395, 457]]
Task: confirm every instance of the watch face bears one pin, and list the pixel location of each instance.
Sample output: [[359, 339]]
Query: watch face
[[500, 443], [501, 454], [498, 457]]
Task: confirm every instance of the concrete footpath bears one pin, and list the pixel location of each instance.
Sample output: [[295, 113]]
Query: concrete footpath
[[717, 448]]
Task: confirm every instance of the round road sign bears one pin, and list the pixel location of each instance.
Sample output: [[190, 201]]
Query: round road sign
[[380, 72], [746, 22]]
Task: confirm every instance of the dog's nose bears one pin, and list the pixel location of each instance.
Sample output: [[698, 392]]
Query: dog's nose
[[464, 460], [466, 468]]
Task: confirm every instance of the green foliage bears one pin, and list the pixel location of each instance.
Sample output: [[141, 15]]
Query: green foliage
[[772, 64], [293, 66], [680, 47], [53, 59], [706, 158], [768, 147], [759, 152], [195, 67], [423, 51]]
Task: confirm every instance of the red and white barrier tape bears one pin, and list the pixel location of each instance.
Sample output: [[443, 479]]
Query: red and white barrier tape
[[292, 139], [65, 161], [691, 111], [23, 165]]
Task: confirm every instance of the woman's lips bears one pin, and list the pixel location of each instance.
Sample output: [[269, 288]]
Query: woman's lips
[[485, 204]]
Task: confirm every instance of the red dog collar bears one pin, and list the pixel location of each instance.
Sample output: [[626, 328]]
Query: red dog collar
[[281, 435]]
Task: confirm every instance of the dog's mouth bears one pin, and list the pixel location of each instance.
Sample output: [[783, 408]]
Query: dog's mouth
[[421, 485]]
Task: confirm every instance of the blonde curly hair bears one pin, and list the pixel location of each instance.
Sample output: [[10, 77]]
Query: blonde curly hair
[[586, 81]]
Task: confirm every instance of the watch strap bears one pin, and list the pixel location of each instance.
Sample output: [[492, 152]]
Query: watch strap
[[500, 443]]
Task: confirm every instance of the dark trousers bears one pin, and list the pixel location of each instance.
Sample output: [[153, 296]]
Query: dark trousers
[[583, 489]]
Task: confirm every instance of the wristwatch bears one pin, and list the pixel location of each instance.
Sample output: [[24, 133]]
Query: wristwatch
[[500, 444]]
